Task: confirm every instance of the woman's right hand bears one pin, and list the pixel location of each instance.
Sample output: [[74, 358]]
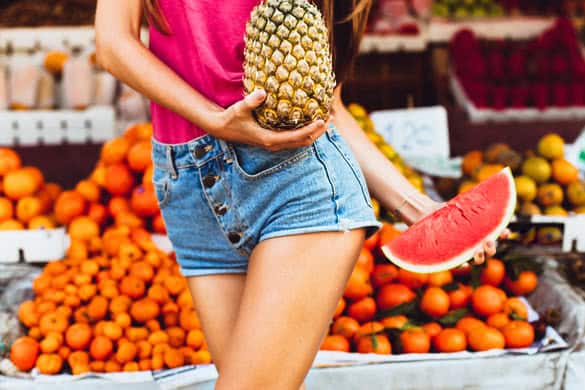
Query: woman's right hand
[[237, 124]]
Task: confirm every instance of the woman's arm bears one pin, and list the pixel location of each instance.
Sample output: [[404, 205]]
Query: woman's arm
[[385, 182], [120, 51]]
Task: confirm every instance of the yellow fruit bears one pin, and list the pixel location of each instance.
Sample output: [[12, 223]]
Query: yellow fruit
[[576, 193], [466, 186], [376, 207], [550, 195], [357, 110], [551, 146], [549, 235], [388, 151], [579, 210], [487, 171], [525, 188], [537, 168], [556, 211], [529, 208], [564, 172], [417, 182]]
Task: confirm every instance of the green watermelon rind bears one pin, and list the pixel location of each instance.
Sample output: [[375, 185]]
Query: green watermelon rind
[[468, 254]]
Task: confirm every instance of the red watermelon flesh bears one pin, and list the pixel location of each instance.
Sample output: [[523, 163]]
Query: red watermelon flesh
[[451, 235]]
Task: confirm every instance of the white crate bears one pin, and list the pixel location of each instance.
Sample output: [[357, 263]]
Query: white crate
[[573, 228], [96, 124], [32, 245]]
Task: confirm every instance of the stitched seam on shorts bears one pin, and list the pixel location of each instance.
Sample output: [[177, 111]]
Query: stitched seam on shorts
[[330, 179], [278, 167]]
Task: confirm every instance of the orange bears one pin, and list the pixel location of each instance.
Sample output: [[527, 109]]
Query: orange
[[467, 324], [378, 344], [11, 224], [53, 322], [415, 341], [78, 358], [518, 334], [157, 362], [144, 349], [35, 333], [450, 340], [83, 228], [55, 61], [117, 205], [176, 336], [195, 338], [365, 260], [112, 330], [367, 329], [101, 348], [25, 350], [49, 363], [335, 343], [362, 310], [132, 286], [142, 270], [78, 336], [144, 310], [20, 183], [158, 337], [412, 279], [139, 156], [6, 209], [498, 320], [147, 178], [460, 298], [439, 279], [435, 302], [392, 295], [9, 161], [89, 190], [27, 208], [486, 338], [27, 312], [524, 285], [114, 151], [515, 307], [372, 242], [387, 233], [383, 274], [432, 329], [123, 319], [358, 285], [119, 180], [173, 358], [129, 219], [126, 352], [471, 162], [158, 224], [143, 202], [98, 213], [136, 333], [564, 172], [345, 326], [493, 272], [120, 304], [486, 300], [69, 204], [97, 366], [112, 366], [41, 222], [340, 307], [131, 367], [98, 308]]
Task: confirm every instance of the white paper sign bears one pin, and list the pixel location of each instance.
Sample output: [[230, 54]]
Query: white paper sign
[[415, 132], [576, 153]]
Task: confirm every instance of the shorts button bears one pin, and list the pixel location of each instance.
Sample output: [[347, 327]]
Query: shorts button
[[209, 180], [221, 209], [234, 237], [201, 150]]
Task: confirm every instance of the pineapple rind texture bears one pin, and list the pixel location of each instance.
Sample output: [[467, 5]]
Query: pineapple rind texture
[[287, 55]]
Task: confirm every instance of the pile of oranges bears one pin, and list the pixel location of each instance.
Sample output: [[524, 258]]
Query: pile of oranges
[[26, 201], [387, 310], [117, 304]]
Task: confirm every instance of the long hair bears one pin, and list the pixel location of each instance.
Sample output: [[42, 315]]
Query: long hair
[[346, 21]]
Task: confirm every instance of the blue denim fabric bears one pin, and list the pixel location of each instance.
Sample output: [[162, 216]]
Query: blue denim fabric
[[219, 200]]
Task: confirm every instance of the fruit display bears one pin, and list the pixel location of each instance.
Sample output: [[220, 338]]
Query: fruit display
[[115, 303], [467, 8], [546, 183], [361, 116], [388, 310], [545, 72], [287, 55], [395, 17], [26, 200], [452, 234]]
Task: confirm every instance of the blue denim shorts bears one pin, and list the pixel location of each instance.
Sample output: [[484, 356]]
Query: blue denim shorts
[[219, 200]]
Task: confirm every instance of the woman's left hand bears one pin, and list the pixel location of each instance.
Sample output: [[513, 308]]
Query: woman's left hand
[[488, 248]]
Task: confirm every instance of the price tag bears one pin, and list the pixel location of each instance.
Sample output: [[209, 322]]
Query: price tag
[[575, 153], [421, 137], [415, 132]]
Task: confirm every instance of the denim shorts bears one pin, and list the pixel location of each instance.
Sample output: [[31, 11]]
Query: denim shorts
[[219, 200]]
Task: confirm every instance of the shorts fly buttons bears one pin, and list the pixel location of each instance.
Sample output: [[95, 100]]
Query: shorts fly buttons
[[202, 150], [210, 180], [234, 237]]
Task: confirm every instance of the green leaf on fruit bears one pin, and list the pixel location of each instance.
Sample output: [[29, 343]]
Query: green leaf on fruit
[[451, 318], [406, 308]]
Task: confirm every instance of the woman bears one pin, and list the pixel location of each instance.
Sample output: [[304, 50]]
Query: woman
[[266, 225]]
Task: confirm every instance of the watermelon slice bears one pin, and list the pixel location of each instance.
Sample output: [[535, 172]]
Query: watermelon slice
[[451, 235]]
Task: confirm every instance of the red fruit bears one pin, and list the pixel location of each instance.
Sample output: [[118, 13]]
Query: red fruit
[[119, 180], [144, 202]]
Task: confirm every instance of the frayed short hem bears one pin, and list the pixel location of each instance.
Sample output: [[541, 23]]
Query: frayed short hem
[[188, 273], [371, 228]]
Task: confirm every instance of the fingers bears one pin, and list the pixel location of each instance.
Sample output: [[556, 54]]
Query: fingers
[[504, 234], [489, 248], [253, 100], [479, 257], [277, 140]]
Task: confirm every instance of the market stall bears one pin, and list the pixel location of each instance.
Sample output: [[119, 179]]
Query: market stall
[[91, 295]]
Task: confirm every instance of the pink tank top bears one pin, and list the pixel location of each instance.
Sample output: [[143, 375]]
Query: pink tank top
[[205, 48]]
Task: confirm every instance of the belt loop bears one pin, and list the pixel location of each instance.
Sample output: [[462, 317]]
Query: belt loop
[[171, 162]]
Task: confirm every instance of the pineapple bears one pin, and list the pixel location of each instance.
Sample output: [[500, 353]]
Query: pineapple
[[287, 54]]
